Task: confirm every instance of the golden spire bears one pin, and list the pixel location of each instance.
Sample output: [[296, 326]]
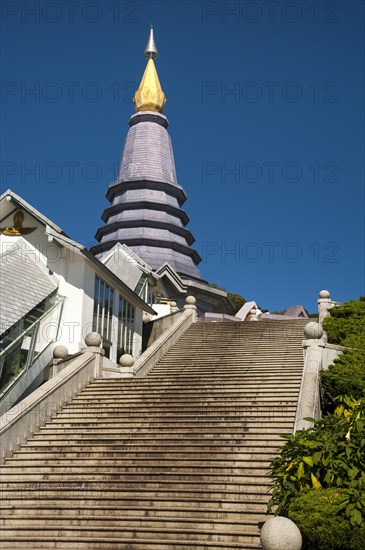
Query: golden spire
[[149, 96]]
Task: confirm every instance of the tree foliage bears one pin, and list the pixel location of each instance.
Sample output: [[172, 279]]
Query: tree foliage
[[237, 300]]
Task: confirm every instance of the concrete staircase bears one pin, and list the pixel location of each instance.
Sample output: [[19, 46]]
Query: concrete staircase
[[177, 460]]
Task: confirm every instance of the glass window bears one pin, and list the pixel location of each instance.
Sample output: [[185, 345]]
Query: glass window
[[126, 327], [103, 312], [141, 286]]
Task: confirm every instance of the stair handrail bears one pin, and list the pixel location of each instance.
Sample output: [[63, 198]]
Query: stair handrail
[[22, 420], [149, 358], [318, 355]]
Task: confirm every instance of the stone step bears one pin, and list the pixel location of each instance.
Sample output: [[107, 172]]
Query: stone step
[[223, 388], [180, 376], [117, 532], [136, 441], [190, 400], [83, 411], [224, 494], [197, 400], [241, 356], [260, 419], [108, 417], [140, 503], [135, 466], [163, 447], [76, 455], [259, 393], [185, 378], [239, 437], [102, 543], [104, 472], [207, 426], [137, 481], [60, 453], [196, 518], [170, 512]]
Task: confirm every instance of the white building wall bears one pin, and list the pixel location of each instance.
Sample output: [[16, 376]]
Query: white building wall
[[76, 279]]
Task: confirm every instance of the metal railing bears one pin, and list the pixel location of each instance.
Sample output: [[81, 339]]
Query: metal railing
[[19, 356]]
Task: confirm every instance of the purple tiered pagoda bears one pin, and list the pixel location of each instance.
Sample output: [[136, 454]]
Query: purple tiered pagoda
[[146, 200]]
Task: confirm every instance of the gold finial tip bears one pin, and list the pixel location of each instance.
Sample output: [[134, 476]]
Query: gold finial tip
[[149, 96]]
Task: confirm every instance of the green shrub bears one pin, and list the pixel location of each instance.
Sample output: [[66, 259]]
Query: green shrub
[[346, 323], [346, 376], [322, 522], [358, 538], [330, 454], [346, 327]]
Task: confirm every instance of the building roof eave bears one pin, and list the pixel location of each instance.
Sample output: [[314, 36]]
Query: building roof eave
[[126, 290], [31, 210]]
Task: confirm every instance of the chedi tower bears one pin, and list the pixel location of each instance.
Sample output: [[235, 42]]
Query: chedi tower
[[146, 199]]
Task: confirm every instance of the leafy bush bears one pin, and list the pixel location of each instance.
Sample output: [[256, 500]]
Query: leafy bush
[[330, 454], [346, 327], [322, 522]]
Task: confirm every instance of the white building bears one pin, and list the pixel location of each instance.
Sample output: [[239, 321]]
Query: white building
[[54, 291]]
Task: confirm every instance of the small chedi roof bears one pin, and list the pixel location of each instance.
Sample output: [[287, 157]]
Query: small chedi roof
[[146, 200]]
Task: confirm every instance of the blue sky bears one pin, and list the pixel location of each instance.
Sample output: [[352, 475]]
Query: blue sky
[[265, 103]]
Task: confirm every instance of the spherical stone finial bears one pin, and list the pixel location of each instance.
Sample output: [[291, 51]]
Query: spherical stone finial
[[60, 352], [313, 331], [190, 300], [173, 304], [324, 294], [126, 360], [280, 534], [146, 318], [93, 339]]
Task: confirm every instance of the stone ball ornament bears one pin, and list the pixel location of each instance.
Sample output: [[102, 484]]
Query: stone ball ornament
[[60, 352], [126, 360], [93, 339], [190, 300], [313, 331], [324, 294], [280, 533], [146, 317]]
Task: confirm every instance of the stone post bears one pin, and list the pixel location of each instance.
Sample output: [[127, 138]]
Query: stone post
[[324, 305], [60, 354], [190, 305], [309, 404], [93, 345], [126, 362]]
